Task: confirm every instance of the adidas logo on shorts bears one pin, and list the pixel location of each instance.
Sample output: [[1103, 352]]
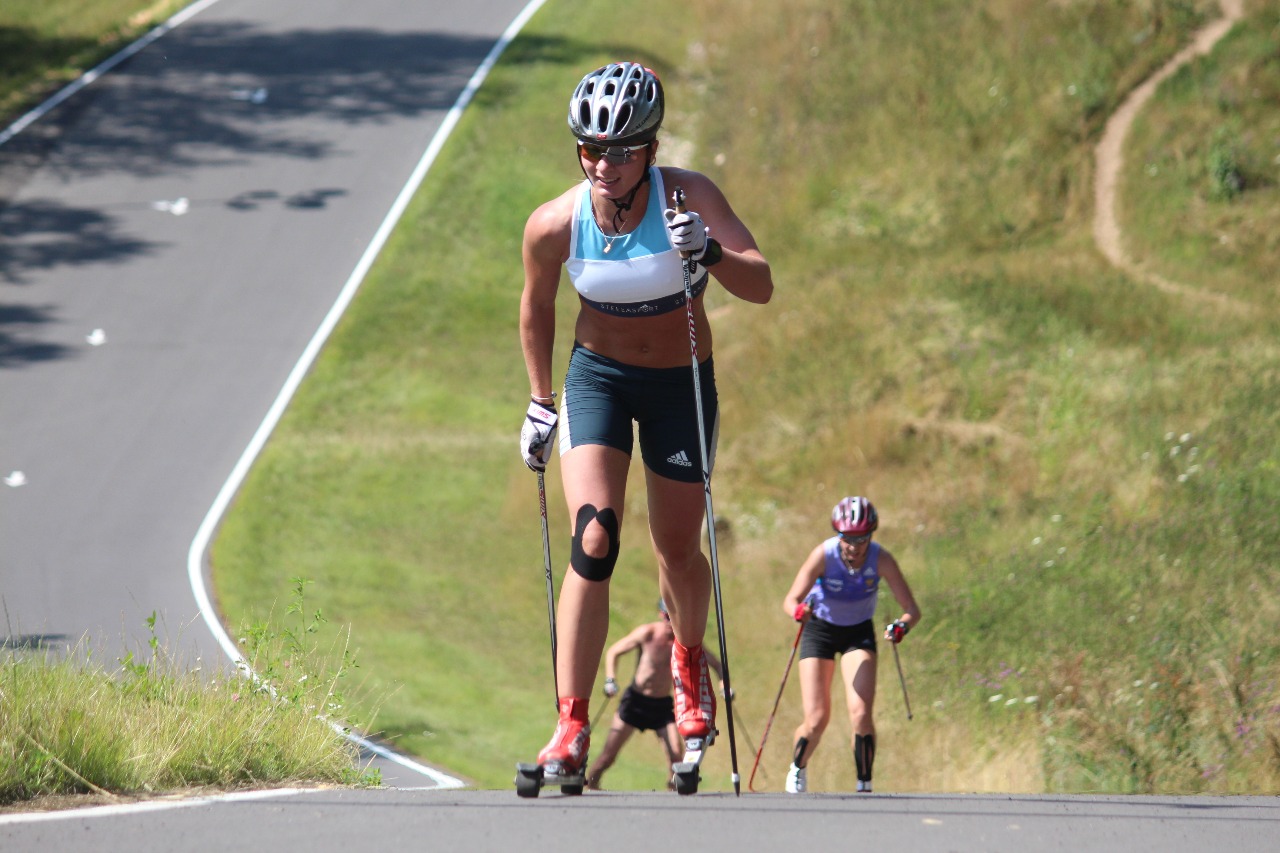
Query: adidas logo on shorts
[[680, 458]]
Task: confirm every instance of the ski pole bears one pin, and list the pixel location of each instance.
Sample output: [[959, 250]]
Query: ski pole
[[551, 588], [600, 713], [901, 680], [768, 725], [678, 201]]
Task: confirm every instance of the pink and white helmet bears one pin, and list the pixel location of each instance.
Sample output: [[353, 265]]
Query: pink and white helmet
[[855, 515]]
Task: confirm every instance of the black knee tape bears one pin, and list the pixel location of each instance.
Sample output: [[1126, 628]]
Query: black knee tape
[[864, 755], [801, 746], [586, 566]]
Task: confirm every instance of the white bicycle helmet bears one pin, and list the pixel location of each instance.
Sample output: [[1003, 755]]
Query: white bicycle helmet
[[617, 104]]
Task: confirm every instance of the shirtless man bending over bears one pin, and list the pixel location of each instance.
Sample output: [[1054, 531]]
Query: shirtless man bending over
[[646, 704]]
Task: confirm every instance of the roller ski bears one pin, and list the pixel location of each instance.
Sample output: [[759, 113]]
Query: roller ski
[[563, 761], [532, 778], [685, 775], [695, 714]]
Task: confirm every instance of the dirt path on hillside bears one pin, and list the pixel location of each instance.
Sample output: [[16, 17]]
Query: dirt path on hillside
[[1110, 159]]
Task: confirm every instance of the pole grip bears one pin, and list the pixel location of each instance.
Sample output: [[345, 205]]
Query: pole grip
[[677, 201]]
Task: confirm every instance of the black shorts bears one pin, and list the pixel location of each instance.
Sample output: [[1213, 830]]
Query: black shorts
[[603, 397], [821, 639], [646, 713]]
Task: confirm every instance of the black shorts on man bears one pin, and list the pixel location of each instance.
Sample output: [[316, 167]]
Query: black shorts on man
[[646, 713]]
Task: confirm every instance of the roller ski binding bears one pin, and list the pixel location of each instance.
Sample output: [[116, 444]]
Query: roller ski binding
[[562, 762], [685, 774], [695, 714]]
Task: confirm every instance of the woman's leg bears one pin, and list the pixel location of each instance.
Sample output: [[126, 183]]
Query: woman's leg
[[859, 668], [676, 513], [815, 693], [595, 484], [676, 510]]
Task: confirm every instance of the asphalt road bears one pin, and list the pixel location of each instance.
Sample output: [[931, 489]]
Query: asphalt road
[[340, 821], [173, 238]]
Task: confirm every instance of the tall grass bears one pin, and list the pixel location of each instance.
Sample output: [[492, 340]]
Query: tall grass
[[1076, 471], [71, 725]]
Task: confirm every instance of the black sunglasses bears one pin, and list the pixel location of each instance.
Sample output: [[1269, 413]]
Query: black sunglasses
[[855, 540]]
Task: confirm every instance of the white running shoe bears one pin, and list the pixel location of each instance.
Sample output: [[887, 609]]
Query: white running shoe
[[796, 781], [864, 787]]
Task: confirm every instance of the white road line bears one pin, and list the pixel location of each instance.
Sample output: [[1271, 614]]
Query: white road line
[[152, 805], [93, 74], [200, 545], [204, 535]]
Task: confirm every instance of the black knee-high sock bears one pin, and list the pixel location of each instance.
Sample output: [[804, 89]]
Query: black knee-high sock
[[864, 755], [801, 746]]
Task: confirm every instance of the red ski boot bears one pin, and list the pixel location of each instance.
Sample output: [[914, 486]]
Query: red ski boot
[[695, 700], [568, 748]]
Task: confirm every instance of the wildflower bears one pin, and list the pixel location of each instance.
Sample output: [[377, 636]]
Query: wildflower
[[996, 698], [1031, 700], [1036, 541], [1013, 701], [1185, 437]]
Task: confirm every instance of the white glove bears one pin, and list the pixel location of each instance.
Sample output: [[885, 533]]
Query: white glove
[[688, 234], [538, 435]]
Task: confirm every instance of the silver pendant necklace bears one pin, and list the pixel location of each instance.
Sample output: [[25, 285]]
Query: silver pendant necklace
[[608, 241]]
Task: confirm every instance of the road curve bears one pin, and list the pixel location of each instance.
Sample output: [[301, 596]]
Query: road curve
[[175, 236]]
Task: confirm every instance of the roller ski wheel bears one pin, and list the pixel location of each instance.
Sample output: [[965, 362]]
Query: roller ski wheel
[[686, 774], [532, 778]]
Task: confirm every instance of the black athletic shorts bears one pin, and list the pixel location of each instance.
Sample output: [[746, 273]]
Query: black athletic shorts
[[821, 639], [603, 397], [646, 713]]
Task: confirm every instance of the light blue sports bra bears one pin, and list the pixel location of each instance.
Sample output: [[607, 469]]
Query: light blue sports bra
[[636, 274]]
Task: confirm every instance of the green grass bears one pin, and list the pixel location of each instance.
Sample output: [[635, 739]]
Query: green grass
[[1077, 471], [70, 725], [46, 43]]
